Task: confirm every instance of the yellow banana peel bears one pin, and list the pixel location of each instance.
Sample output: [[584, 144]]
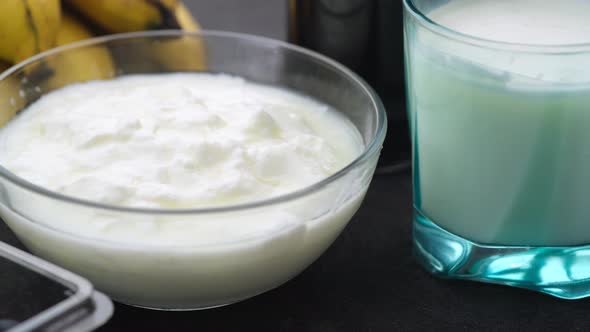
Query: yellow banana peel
[[117, 16], [183, 53], [174, 54], [186, 21], [27, 27], [78, 64]]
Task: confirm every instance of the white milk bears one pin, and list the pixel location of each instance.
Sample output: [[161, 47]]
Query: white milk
[[180, 141], [542, 22], [502, 135]]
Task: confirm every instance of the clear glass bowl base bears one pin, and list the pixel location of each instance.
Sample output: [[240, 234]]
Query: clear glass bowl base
[[563, 272]]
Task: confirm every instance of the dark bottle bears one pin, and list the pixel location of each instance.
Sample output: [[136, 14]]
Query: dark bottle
[[366, 36]]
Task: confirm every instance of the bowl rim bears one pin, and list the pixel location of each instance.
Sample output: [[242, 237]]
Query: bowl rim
[[424, 19], [373, 147]]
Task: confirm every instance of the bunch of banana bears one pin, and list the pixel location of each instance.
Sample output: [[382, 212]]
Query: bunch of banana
[[115, 16], [28, 27], [77, 65], [136, 15]]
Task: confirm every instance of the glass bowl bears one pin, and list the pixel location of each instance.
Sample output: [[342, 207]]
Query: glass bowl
[[295, 228]]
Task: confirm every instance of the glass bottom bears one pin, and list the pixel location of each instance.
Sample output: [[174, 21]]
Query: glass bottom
[[177, 309], [201, 307], [563, 272]]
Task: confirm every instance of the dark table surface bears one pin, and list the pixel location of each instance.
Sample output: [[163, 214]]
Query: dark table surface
[[367, 280]]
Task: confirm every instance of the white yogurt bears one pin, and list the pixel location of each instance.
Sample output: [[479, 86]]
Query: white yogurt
[[176, 141], [180, 141]]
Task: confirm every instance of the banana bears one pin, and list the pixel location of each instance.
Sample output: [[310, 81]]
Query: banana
[[130, 15], [10, 99], [81, 64], [185, 20], [27, 27], [184, 53], [175, 54], [58, 70]]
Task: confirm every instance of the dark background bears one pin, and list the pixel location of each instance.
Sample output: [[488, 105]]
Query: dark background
[[367, 281]]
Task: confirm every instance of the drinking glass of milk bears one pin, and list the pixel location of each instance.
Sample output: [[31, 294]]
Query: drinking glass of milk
[[499, 104]]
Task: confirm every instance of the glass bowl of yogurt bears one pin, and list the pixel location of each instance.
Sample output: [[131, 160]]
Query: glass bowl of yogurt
[[180, 170]]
